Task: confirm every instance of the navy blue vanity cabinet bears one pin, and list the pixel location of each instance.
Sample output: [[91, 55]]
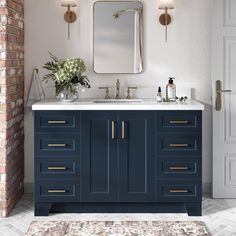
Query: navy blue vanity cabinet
[[57, 149], [179, 159], [99, 163], [118, 162], [136, 156]]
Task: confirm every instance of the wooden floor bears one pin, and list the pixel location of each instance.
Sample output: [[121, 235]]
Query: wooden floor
[[219, 216]]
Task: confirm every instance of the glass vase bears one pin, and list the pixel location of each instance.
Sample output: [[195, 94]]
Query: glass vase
[[67, 96]]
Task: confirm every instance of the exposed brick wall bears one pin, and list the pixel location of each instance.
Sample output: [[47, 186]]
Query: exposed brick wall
[[11, 103]]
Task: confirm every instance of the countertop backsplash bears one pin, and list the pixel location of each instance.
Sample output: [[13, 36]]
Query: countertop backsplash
[[141, 92]]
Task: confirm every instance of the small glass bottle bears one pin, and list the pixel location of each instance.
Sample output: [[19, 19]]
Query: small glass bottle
[[159, 95]]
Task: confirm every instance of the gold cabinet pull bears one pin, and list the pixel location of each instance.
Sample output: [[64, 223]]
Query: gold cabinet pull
[[56, 191], [113, 129], [179, 168], [57, 168], [123, 130], [179, 122], [179, 191], [179, 145], [56, 145], [56, 122]]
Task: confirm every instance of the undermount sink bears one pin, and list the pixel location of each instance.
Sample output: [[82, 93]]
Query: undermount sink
[[118, 101]]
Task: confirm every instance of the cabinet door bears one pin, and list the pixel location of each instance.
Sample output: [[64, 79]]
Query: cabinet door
[[99, 161], [137, 156]]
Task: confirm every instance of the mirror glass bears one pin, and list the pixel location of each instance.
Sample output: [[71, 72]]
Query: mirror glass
[[118, 35]]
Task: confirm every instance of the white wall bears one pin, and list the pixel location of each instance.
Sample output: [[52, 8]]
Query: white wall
[[186, 56]]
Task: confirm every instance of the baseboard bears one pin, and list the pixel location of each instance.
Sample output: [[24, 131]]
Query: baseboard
[[29, 188], [206, 188]]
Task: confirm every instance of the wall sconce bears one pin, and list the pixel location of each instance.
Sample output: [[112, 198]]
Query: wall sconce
[[165, 19], [70, 16]]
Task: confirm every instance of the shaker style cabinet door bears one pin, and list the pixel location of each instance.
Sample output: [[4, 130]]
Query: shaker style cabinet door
[[136, 156], [99, 160]]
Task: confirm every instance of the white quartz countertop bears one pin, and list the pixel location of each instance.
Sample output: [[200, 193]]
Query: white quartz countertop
[[88, 104]]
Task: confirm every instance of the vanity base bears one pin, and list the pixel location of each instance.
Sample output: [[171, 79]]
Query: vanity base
[[118, 161], [193, 209], [42, 209]]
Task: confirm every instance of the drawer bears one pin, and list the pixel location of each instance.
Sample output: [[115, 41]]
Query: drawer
[[57, 191], [57, 121], [182, 145], [59, 145], [179, 121], [182, 168], [56, 168], [179, 190]]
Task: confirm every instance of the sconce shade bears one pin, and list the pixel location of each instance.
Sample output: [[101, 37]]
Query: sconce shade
[[166, 4], [71, 3]]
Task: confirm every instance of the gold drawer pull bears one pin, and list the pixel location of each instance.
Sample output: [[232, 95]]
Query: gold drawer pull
[[57, 168], [179, 145], [179, 168], [56, 191], [179, 122], [56, 122], [56, 145], [179, 191], [123, 130]]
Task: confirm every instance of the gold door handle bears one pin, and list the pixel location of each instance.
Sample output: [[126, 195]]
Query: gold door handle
[[179, 122], [113, 130], [219, 92], [179, 191], [179, 145], [56, 122], [56, 145], [123, 130], [225, 91], [57, 168], [179, 168], [56, 191]]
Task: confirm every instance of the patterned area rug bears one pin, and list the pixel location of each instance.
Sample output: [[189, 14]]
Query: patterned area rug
[[122, 228]]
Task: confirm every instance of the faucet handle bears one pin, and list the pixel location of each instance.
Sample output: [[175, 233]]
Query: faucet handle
[[107, 92], [129, 91]]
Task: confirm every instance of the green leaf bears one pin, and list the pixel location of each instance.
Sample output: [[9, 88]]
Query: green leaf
[[66, 73]]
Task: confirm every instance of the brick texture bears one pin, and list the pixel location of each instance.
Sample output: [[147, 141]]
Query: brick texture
[[11, 103]]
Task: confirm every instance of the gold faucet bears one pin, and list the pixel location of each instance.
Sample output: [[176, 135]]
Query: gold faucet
[[118, 89], [129, 92], [107, 92]]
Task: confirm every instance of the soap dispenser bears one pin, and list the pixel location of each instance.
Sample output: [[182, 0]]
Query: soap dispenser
[[171, 90]]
